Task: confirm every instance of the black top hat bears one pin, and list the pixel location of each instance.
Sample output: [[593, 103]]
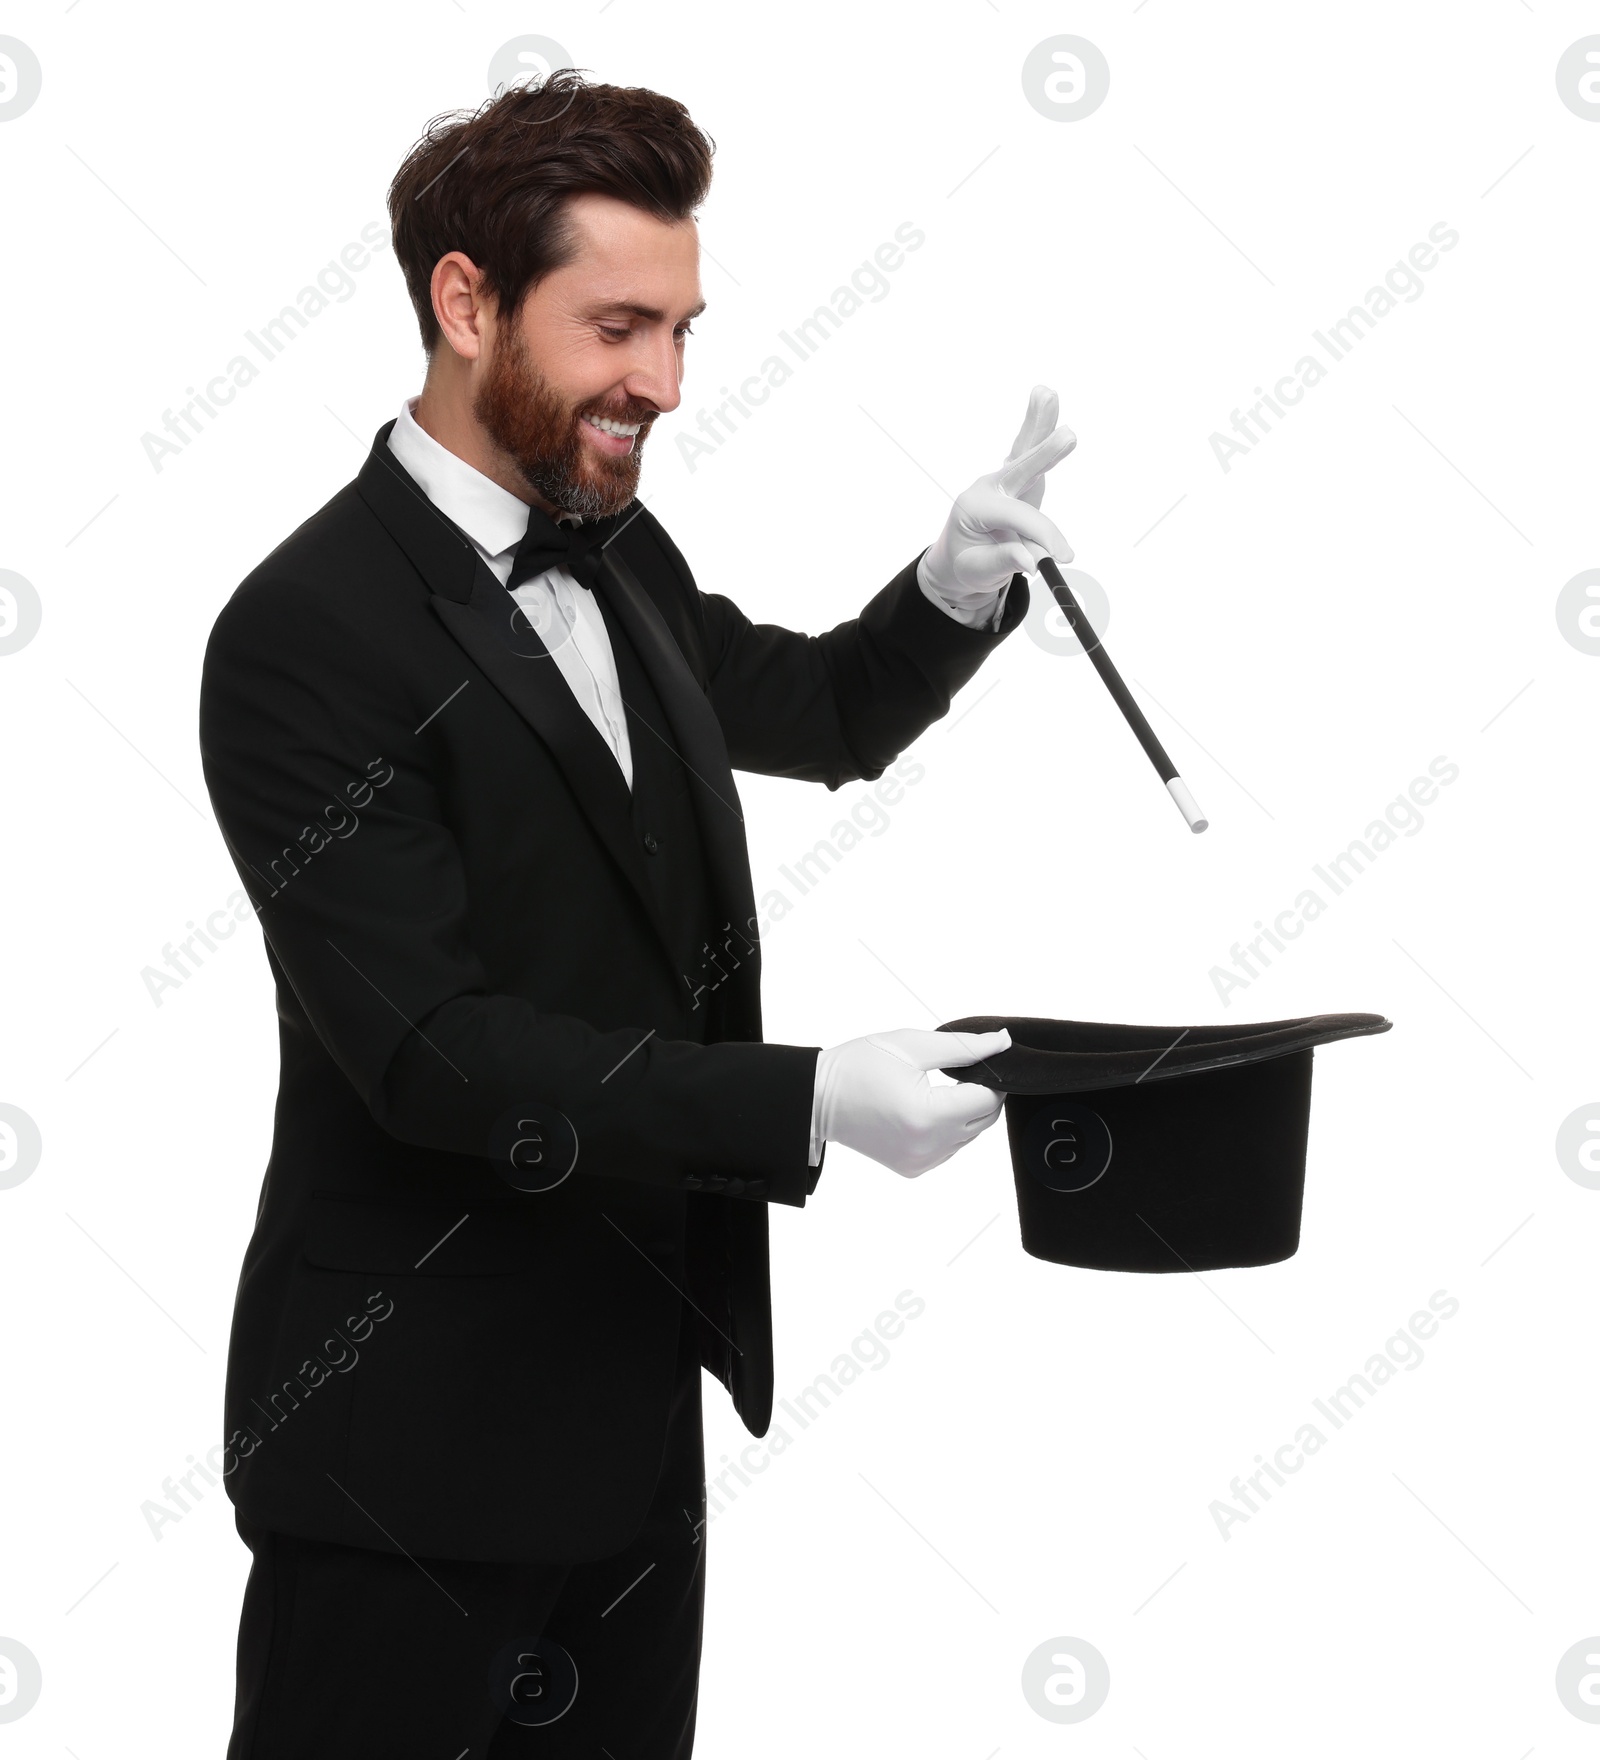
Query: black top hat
[[1158, 1148]]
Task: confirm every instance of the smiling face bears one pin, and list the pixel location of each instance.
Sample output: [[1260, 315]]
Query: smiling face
[[571, 386]]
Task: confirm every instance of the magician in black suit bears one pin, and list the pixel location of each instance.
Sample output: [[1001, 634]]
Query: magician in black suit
[[470, 734]]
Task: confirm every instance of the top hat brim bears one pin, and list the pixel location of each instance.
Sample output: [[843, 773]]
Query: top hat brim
[[1077, 1057]]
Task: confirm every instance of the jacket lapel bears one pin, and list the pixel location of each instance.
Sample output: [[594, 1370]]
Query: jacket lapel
[[489, 625], [698, 737], [492, 630]]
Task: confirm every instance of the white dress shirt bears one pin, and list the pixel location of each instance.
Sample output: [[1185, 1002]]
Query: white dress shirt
[[564, 614]]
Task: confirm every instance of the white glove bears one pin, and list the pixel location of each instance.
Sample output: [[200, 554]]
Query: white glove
[[873, 1095], [995, 528]]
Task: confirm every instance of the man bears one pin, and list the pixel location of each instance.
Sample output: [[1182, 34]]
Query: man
[[469, 732]]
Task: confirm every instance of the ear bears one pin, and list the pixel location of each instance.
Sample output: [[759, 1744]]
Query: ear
[[464, 313]]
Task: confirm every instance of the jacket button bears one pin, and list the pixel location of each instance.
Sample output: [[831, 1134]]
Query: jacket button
[[650, 842], [693, 1181], [757, 1188]]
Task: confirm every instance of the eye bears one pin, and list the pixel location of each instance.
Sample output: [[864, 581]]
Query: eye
[[613, 335], [686, 330]]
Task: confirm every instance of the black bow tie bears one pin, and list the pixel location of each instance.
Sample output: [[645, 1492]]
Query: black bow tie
[[548, 545]]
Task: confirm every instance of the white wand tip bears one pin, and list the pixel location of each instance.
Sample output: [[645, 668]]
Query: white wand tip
[[1187, 805]]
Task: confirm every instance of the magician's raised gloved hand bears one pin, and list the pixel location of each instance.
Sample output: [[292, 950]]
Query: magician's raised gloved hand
[[995, 528], [873, 1095]]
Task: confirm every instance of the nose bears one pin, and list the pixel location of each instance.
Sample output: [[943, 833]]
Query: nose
[[654, 377]]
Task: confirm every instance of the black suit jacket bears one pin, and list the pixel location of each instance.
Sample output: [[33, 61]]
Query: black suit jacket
[[489, 956]]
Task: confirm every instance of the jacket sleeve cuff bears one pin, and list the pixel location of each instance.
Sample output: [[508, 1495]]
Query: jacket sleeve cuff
[[984, 613], [943, 640], [789, 1076]]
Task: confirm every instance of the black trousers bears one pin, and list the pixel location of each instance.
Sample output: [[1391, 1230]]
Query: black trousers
[[346, 1654]]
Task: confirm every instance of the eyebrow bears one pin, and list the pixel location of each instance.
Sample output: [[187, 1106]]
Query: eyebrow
[[654, 313]]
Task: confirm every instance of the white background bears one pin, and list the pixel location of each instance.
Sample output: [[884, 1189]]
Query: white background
[[1367, 590]]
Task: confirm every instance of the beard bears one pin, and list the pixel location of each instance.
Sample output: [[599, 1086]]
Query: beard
[[538, 430]]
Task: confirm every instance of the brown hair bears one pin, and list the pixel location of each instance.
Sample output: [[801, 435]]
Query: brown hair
[[494, 182]]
